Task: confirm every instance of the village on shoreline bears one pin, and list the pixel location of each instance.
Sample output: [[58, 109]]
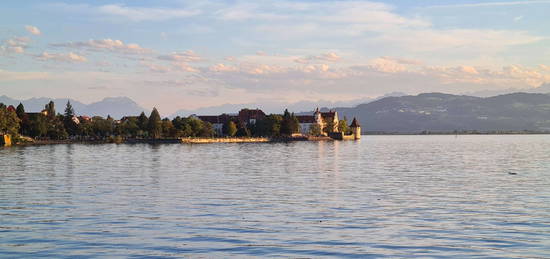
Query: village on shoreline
[[18, 127]]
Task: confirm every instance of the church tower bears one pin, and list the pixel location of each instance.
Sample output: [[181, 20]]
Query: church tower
[[355, 129]]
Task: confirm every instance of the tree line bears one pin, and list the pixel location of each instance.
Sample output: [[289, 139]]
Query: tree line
[[51, 125]]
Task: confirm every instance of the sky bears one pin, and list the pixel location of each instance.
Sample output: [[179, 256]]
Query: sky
[[186, 54]]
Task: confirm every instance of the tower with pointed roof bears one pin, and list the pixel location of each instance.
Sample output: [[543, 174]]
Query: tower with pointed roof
[[355, 129]]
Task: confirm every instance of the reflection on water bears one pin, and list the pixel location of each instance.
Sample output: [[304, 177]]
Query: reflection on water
[[397, 196]]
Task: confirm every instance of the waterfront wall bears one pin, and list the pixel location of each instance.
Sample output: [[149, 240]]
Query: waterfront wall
[[342, 136], [222, 140], [153, 141]]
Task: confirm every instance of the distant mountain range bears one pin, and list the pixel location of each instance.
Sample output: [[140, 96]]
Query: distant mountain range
[[278, 107], [397, 113], [542, 89], [437, 112], [114, 106]]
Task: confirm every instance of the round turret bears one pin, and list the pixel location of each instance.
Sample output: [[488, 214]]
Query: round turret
[[355, 129]]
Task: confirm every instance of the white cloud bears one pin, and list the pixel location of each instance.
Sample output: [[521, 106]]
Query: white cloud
[[16, 45], [247, 11], [387, 65], [222, 68], [22, 76], [378, 76], [184, 67], [33, 30], [322, 25], [518, 18], [63, 57], [325, 49], [458, 42], [176, 66], [106, 45], [156, 67], [351, 24], [146, 14], [327, 57], [492, 4], [186, 56]]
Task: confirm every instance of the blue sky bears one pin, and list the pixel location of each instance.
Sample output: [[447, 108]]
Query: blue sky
[[191, 54]]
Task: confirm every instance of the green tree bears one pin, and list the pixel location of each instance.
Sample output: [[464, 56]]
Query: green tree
[[315, 129], [143, 121], [101, 127], [229, 128], [289, 124], [206, 131], [24, 123], [243, 131], [128, 127], [20, 111], [294, 123], [270, 126], [9, 122], [343, 126], [37, 126], [143, 124], [85, 128], [329, 127], [183, 128], [70, 125], [168, 129], [286, 128], [155, 124], [69, 111], [56, 129]]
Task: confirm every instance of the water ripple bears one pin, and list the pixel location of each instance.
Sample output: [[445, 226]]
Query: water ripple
[[384, 196]]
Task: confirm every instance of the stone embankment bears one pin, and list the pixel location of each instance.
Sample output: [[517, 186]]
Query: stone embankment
[[223, 140]]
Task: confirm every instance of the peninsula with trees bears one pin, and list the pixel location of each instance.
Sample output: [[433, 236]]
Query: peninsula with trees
[[248, 125]]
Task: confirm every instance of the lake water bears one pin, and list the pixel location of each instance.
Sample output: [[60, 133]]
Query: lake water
[[395, 196]]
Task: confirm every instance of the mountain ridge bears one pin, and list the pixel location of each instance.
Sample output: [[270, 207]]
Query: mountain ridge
[[439, 112], [116, 107]]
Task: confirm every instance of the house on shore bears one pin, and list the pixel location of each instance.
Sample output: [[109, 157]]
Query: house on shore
[[245, 116], [327, 121]]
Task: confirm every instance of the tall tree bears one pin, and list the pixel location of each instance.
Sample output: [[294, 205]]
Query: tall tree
[[143, 121], [9, 122], [168, 129], [343, 126], [314, 129], [38, 126], [274, 125], [206, 131], [242, 130], [155, 124], [22, 115], [68, 120], [69, 111], [229, 128], [294, 123], [290, 124], [20, 110]]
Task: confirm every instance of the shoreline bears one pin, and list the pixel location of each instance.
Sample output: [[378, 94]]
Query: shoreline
[[253, 139]]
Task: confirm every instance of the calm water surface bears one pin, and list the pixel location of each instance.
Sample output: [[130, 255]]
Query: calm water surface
[[394, 196]]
